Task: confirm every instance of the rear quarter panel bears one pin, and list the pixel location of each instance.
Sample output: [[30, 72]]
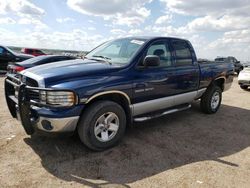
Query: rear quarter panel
[[212, 71]]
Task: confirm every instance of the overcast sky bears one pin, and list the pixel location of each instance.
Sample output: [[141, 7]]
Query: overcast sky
[[215, 27]]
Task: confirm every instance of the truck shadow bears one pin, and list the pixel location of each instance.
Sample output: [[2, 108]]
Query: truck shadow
[[149, 148]]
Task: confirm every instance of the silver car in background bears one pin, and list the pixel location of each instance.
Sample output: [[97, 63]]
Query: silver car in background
[[244, 78]]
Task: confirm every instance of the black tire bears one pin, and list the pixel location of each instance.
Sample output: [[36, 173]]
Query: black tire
[[243, 87], [87, 123], [207, 97]]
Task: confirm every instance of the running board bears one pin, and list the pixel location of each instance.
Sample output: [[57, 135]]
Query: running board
[[170, 111]]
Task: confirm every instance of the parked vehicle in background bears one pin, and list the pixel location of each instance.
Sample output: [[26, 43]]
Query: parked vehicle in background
[[244, 78], [230, 59], [40, 60], [238, 66], [200, 60], [7, 55], [120, 81], [246, 64], [32, 51]]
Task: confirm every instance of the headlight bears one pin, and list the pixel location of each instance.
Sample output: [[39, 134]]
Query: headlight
[[58, 98]]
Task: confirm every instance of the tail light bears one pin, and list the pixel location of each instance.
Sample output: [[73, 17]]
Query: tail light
[[15, 68]]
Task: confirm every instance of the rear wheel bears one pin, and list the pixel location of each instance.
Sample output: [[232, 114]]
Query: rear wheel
[[102, 125], [211, 100], [243, 87]]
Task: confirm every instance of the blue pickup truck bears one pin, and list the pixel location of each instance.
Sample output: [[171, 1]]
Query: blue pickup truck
[[119, 82]]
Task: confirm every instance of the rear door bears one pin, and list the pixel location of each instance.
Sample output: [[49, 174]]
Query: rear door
[[187, 68]]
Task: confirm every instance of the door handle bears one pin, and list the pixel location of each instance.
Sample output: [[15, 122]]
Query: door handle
[[140, 85]]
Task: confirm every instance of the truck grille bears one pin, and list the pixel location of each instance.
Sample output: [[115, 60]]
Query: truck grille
[[32, 94]]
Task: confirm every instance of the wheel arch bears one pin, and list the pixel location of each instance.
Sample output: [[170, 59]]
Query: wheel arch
[[116, 96], [220, 82]]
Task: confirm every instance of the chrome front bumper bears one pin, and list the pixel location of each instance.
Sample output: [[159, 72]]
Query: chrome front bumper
[[57, 125]]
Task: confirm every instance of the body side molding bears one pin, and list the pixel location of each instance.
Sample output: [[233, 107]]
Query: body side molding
[[165, 102], [87, 100]]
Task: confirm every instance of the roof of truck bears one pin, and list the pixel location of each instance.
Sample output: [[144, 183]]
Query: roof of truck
[[152, 37]]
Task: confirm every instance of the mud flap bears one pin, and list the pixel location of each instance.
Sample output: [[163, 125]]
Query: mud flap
[[24, 110]]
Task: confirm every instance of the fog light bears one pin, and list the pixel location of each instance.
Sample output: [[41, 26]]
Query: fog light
[[47, 125]]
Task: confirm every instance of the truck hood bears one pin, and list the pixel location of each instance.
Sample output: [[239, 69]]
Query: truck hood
[[66, 70]]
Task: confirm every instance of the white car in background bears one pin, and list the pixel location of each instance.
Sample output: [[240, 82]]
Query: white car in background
[[244, 78]]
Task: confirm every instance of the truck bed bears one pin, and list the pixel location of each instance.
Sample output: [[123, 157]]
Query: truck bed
[[212, 69]]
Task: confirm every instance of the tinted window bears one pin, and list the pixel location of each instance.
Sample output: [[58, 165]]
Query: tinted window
[[29, 51], [1, 50], [220, 59], [162, 50], [9, 50], [183, 53], [38, 51], [33, 60]]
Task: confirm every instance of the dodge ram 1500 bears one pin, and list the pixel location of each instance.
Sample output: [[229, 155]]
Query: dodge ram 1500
[[119, 82]]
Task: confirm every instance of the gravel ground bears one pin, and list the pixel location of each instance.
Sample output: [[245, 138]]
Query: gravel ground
[[186, 149]]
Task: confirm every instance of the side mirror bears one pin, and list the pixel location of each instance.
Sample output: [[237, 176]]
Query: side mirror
[[151, 61]]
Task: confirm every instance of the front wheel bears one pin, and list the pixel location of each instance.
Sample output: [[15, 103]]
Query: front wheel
[[102, 125], [211, 100]]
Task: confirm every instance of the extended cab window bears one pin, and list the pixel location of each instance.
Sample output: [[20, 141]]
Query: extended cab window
[[182, 52], [162, 50]]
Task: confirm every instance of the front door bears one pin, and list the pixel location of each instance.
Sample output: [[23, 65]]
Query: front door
[[153, 86]]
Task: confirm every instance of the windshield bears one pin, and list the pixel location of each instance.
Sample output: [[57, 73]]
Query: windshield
[[118, 51], [11, 51]]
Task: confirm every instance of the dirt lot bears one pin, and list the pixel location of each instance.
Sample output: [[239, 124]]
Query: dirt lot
[[186, 149]]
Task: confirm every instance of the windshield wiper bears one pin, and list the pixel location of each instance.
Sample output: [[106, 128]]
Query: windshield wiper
[[103, 58]]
